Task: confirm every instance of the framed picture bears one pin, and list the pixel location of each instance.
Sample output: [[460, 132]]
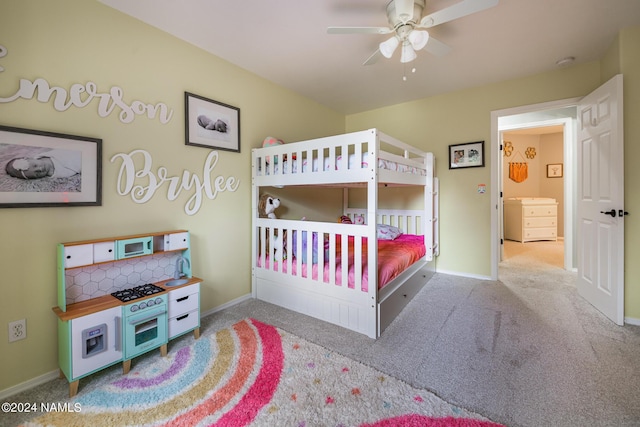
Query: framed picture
[[211, 124], [45, 169], [469, 155], [554, 170]]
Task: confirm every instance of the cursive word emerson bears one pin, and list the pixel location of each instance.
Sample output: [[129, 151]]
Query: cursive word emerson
[[129, 181], [80, 96]]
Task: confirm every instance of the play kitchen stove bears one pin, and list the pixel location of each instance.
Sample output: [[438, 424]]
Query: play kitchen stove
[[144, 320], [143, 291]]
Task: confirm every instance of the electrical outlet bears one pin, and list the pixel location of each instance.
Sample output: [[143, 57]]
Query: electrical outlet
[[17, 330]]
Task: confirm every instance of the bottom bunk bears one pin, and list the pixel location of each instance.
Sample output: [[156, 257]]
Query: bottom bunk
[[353, 275]]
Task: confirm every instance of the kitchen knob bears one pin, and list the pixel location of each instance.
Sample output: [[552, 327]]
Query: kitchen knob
[[158, 300], [134, 308], [150, 303], [143, 305]]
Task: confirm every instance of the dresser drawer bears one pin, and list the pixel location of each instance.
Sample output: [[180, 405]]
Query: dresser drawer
[[540, 221], [528, 211], [540, 234]]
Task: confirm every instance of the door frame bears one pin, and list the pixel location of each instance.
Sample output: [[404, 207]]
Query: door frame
[[496, 173]]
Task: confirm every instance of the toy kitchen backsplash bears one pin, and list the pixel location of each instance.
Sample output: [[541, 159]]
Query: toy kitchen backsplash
[[94, 281]]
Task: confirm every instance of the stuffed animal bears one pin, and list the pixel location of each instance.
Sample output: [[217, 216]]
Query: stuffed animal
[[267, 206], [270, 142], [357, 219], [279, 247]]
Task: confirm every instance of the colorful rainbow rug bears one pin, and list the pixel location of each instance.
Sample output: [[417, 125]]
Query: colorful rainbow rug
[[253, 374]]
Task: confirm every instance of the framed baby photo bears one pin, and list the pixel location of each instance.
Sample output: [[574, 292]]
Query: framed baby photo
[[468, 155], [46, 169], [211, 124]]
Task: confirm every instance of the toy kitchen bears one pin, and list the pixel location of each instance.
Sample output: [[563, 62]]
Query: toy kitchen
[[121, 297]]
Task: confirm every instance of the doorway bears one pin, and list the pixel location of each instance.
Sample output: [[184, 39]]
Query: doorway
[[533, 175], [554, 115]]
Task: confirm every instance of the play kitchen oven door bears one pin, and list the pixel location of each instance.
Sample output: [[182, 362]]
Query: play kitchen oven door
[[145, 325]]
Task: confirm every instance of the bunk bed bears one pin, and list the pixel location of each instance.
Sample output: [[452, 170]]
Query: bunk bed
[[340, 272]]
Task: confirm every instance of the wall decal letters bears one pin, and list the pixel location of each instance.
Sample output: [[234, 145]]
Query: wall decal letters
[[80, 96], [141, 184]]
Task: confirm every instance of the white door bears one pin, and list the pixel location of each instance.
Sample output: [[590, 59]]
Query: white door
[[600, 225]]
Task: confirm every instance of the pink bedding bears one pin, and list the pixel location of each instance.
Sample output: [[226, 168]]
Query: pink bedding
[[394, 256]]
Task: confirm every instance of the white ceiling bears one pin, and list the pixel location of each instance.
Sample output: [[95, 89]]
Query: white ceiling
[[285, 41]]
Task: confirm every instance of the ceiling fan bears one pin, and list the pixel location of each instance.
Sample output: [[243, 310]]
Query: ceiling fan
[[409, 27]]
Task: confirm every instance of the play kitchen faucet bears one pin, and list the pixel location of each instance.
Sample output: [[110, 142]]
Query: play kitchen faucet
[[179, 271]]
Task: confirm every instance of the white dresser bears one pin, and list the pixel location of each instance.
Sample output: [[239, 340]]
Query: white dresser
[[530, 218]]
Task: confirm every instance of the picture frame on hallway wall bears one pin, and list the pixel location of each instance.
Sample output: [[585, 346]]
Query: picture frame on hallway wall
[[467, 155], [47, 169], [554, 170], [211, 124]]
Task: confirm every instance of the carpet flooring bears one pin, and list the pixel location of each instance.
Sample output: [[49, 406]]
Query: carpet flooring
[[524, 351], [255, 374]]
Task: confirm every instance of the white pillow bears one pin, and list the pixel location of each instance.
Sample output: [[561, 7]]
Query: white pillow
[[388, 232]]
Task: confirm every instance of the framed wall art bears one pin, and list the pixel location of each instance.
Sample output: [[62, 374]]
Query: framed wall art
[[211, 124], [554, 170], [46, 169], [468, 155]]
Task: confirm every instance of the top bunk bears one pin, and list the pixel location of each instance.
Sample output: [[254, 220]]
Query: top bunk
[[342, 160]]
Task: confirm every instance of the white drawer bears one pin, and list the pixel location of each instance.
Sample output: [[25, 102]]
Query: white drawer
[[183, 304], [104, 251], [542, 221], [183, 300], [183, 323], [186, 290], [75, 256], [550, 210], [540, 234]]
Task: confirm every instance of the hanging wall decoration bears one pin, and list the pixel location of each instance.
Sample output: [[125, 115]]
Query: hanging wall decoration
[[530, 152], [508, 148], [518, 171], [81, 95], [142, 183]]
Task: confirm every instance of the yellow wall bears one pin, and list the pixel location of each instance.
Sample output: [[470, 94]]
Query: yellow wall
[[434, 123], [77, 41], [629, 42]]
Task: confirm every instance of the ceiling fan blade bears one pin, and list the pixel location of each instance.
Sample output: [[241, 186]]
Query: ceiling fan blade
[[373, 58], [436, 47], [359, 30], [458, 10]]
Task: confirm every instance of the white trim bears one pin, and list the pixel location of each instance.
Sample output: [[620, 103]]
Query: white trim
[[29, 384], [461, 274], [632, 321], [496, 166], [226, 305]]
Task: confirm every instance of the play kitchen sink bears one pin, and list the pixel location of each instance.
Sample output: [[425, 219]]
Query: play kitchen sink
[[101, 322]]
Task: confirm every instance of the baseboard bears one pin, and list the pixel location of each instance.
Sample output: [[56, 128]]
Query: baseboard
[[226, 305], [460, 274], [631, 321], [33, 382]]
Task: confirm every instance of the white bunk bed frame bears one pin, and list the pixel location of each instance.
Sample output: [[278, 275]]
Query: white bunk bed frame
[[367, 312]]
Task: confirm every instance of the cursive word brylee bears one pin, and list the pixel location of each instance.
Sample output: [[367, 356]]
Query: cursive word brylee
[[208, 185]]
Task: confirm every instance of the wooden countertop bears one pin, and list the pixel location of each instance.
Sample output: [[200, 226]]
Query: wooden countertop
[[105, 302]]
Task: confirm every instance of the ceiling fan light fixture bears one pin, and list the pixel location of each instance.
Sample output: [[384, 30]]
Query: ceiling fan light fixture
[[389, 46], [418, 39], [408, 54]]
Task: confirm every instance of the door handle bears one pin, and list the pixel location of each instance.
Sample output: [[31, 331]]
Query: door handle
[[622, 213], [612, 212]]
